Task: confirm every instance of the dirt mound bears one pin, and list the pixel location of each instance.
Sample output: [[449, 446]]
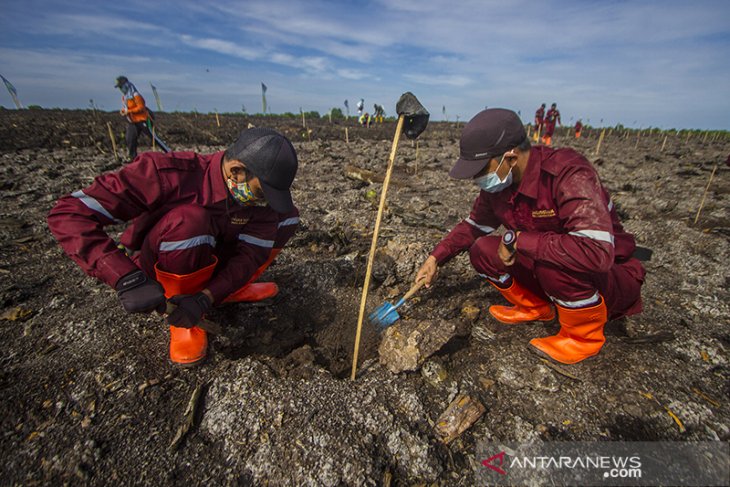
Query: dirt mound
[[90, 397]]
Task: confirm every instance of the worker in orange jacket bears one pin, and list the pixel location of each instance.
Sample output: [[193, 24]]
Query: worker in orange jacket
[[139, 117]]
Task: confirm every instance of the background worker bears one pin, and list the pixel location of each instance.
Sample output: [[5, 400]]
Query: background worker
[[539, 122], [203, 228], [379, 113], [570, 248], [551, 117], [138, 116], [578, 128]]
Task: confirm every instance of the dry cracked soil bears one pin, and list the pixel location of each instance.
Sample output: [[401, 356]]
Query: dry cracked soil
[[90, 398]]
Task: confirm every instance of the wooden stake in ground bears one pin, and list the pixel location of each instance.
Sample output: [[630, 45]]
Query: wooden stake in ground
[[600, 139], [663, 143], [638, 138], [114, 141], [416, 171], [217, 120], [702, 203], [304, 122], [347, 137], [374, 243], [412, 120]]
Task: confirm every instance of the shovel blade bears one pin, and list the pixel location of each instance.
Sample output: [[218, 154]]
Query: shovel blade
[[385, 315]]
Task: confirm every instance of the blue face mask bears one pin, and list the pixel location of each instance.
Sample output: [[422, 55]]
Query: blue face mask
[[491, 183]]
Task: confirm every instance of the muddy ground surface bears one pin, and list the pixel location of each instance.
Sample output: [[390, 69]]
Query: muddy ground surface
[[89, 396]]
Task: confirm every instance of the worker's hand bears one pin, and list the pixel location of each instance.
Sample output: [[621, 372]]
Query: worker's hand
[[123, 111], [428, 271], [507, 255], [140, 294], [190, 309]]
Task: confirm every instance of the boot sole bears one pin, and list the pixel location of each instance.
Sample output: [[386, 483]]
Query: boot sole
[[546, 356], [536, 320], [188, 365]]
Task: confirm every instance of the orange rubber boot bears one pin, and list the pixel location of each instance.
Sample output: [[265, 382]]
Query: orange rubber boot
[[188, 346], [527, 306], [580, 335], [252, 291]]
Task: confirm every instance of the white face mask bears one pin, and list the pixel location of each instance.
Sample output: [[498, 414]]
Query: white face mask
[[491, 183]]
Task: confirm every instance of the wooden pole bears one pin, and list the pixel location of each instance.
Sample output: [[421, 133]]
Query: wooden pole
[[702, 203], [347, 137], [416, 170], [638, 137], [663, 143], [374, 244], [304, 122], [217, 120], [600, 139], [114, 141]]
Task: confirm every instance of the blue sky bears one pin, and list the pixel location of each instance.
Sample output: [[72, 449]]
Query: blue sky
[[640, 63]]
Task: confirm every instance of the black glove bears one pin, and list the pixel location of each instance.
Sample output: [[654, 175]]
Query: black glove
[[190, 309], [140, 294]]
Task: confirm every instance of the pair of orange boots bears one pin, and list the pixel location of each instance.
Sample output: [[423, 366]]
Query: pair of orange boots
[[581, 330], [188, 346]]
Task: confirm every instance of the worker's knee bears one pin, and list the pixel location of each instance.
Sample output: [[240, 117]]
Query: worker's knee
[[185, 222], [562, 284], [484, 258]]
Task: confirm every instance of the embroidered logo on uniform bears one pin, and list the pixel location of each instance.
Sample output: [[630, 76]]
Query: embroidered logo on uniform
[[239, 221], [543, 213]]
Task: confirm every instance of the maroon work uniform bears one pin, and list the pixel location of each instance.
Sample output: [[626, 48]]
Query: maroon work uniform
[[572, 246], [553, 115], [539, 117], [182, 214]]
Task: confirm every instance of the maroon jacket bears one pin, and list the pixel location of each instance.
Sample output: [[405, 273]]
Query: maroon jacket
[[540, 116], [564, 213], [143, 192]]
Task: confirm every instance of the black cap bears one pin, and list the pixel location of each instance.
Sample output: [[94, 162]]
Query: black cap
[[120, 81], [271, 157], [489, 134]]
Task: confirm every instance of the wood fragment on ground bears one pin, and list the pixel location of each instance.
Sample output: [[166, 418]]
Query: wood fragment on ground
[[188, 418], [561, 370], [458, 417]]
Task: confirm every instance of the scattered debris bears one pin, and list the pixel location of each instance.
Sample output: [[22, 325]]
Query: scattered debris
[[15, 314]]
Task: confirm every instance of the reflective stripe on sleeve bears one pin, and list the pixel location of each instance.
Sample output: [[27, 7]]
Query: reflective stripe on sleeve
[[595, 235], [93, 204], [501, 279], [269, 244], [289, 221], [483, 228], [581, 303], [610, 205], [188, 243]]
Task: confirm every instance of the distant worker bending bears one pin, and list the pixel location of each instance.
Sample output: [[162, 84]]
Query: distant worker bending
[[138, 115]]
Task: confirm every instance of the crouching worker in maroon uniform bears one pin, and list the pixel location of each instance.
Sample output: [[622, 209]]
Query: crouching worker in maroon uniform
[[570, 252], [203, 228]]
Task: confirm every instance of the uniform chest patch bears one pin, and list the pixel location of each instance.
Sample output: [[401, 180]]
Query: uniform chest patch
[[543, 213], [235, 220]]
